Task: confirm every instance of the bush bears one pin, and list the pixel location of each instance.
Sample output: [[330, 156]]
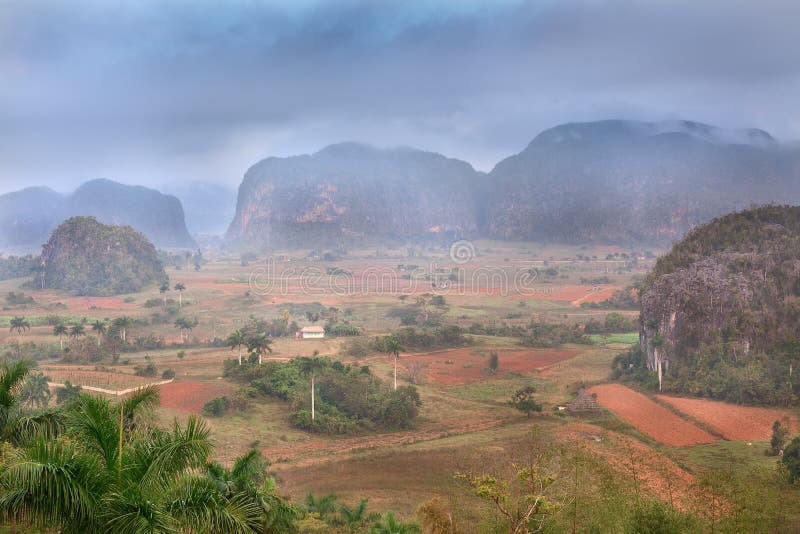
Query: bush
[[168, 374], [147, 370], [216, 407]]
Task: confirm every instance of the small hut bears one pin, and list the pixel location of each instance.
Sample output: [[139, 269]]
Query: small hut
[[583, 404]]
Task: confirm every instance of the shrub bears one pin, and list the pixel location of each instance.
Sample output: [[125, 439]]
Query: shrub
[[168, 374], [147, 370], [216, 406]]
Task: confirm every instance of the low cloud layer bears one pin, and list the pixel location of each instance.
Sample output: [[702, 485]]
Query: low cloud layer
[[158, 92]]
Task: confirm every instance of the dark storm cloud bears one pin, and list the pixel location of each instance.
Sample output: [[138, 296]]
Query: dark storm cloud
[[161, 91]]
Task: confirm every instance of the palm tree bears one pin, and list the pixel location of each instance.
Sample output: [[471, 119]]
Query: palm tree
[[309, 367], [392, 347], [390, 525], [12, 376], [35, 390], [248, 479], [20, 325], [354, 518], [322, 506], [259, 344], [76, 331], [163, 289], [122, 324], [100, 329], [185, 326], [180, 288], [60, 330], [237, 340], [107, 474]]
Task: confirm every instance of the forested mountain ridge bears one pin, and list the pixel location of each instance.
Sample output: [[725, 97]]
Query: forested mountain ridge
[[28, 216], [90, 258], [721, 310]]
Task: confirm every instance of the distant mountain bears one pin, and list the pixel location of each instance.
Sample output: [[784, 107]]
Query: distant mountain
[[91, 258], [209, 207], [355, 193], [28, 216], [612, 181], [626, 181]]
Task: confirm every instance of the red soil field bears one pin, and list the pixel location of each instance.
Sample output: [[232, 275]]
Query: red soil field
[[100, 303], [190, 396], [650, 418], [455, 373], [740, 423]]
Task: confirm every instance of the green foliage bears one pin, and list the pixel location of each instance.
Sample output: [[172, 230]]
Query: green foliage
[[524, 401], [548, 335], [216, 406], [655, 517], [91, 258], [146, 370], [347, 398], [168, 374], [18, 298], [67, 393], [18, 266]]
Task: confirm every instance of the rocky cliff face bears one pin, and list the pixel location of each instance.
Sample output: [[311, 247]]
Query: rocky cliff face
[[354, 193], [722, 308], [31, 214], [634, 182]]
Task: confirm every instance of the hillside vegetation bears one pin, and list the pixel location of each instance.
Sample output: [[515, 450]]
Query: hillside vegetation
[[721, 310], [91, 258]]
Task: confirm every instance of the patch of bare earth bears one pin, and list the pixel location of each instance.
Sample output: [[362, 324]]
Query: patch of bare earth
[[191, 396], [734, 422], [463, 366], [649, 417]]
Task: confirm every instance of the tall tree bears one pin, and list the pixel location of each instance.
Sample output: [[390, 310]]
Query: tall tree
[[123, 324], [60, 330], [259, 345], [180, 288], [185, 326], [20, 325], [310, 367], [236, 340], [76, 331], [99, 328], [393, 347], [35, 390], [163, 289]]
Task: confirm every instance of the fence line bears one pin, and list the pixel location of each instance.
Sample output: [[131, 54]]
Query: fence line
[[113, 391]]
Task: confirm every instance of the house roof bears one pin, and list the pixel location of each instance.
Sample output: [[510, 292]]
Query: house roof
[[312, 330]]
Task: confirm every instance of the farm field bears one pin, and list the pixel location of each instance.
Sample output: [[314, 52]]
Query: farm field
[[650, 418], [464, 420], [732, 421]]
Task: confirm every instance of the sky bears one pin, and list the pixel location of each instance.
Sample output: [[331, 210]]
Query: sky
[[174, 91]]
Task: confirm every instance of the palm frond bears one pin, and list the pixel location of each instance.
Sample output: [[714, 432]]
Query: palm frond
[[47, 483], [93, 421], [196, 504], [167, 454]]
